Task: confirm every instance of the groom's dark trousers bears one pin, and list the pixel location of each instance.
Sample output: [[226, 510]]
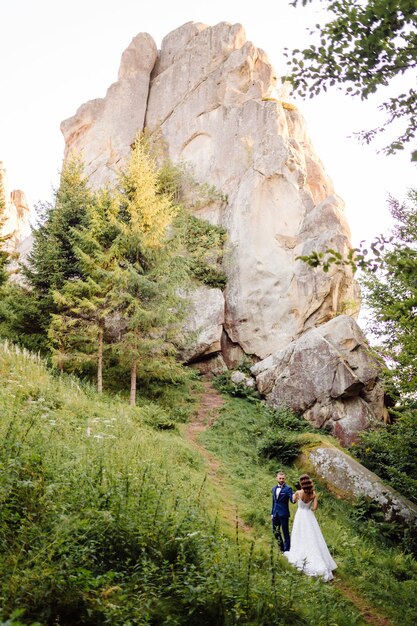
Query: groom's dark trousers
[[280, 516]]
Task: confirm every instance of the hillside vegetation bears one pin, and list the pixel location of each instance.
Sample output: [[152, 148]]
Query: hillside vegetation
[[109, 516]]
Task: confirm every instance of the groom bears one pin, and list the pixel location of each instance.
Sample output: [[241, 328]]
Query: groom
[[280, 513]]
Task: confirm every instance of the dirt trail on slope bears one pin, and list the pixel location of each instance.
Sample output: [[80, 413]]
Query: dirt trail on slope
[[367, 611], [211, 402]]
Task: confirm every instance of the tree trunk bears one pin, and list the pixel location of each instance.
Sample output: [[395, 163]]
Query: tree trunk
[[133, 383], [100, 362]]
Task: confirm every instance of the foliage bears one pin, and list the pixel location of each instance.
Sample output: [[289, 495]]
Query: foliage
[[204, 244], [105, 520], [285, 419], [150, 272], [389, 282], [391, 295], [26, 313], [24, 316], [105, 283], [281, 447], [52, 259], [369, 518], [361, 49], [368, 558], [389, 451], [224, 383], [359, 258], [281, 441]]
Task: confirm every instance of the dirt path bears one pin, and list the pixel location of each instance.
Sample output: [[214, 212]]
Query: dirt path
[[368, 612], [211, 402]]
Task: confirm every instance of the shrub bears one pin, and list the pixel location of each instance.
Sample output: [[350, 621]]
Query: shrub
[[368, 518], [286, 419], [224, 383], [279, 446], [389, 451]]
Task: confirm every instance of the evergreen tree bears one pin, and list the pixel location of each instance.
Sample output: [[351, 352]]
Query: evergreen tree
[[25, 311], [130, 273], [151, 275], [77, 331], [52, 260]]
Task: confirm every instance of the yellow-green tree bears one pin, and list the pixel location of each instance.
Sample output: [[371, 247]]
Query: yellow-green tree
[[152, 272], [126, 299]]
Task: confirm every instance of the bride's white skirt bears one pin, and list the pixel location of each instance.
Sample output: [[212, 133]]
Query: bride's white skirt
[[309, 551]]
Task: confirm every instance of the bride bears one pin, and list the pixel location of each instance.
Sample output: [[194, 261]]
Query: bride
[[309, 552]]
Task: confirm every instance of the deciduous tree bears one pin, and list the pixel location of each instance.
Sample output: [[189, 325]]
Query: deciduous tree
[[362, 48], [391, 295]]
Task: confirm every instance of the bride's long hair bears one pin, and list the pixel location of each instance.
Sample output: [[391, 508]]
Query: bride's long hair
[[306, 484]]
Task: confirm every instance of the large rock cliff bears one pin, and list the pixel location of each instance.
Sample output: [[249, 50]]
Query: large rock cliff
[[211, 99], [16, 215]]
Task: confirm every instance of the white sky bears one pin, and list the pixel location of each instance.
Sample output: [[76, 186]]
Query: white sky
[[57, 54]]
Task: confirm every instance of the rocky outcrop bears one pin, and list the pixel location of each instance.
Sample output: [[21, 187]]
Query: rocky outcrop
[[211, 102], [330, 376], [204, 324], [210, 99], [16, 215], [221, 118], [103, 130], [348, 478]]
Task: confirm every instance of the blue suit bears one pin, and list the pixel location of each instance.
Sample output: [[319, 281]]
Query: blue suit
[[280, 515]]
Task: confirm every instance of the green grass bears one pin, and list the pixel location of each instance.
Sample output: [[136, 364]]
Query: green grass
[[107, 517], [369, 563]]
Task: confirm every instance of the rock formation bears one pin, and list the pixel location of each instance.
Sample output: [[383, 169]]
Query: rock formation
[[210, 98], [16, 215], [348, 478], [329, 375], [103, 130]]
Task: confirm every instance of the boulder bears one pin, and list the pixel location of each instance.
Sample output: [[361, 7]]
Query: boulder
[[204, 323], [328, 375], [348, 478]]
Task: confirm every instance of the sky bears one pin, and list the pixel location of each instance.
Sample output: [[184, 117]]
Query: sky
[[57, 54]]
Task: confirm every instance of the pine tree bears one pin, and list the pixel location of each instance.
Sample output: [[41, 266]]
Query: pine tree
[[77, 331], [131, 271], [25, 311], [148, 281], [52, 260]]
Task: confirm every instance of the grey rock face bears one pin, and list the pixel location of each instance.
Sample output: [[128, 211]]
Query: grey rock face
[[350, 478], [16, 219], [204, 324], [329, 375], [103, 130]]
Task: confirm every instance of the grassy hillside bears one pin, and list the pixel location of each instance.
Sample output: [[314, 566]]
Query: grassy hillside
[[109, 517], [370, 563]]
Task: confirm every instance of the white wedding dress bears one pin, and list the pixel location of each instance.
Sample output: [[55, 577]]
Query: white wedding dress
[[309, 552]]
